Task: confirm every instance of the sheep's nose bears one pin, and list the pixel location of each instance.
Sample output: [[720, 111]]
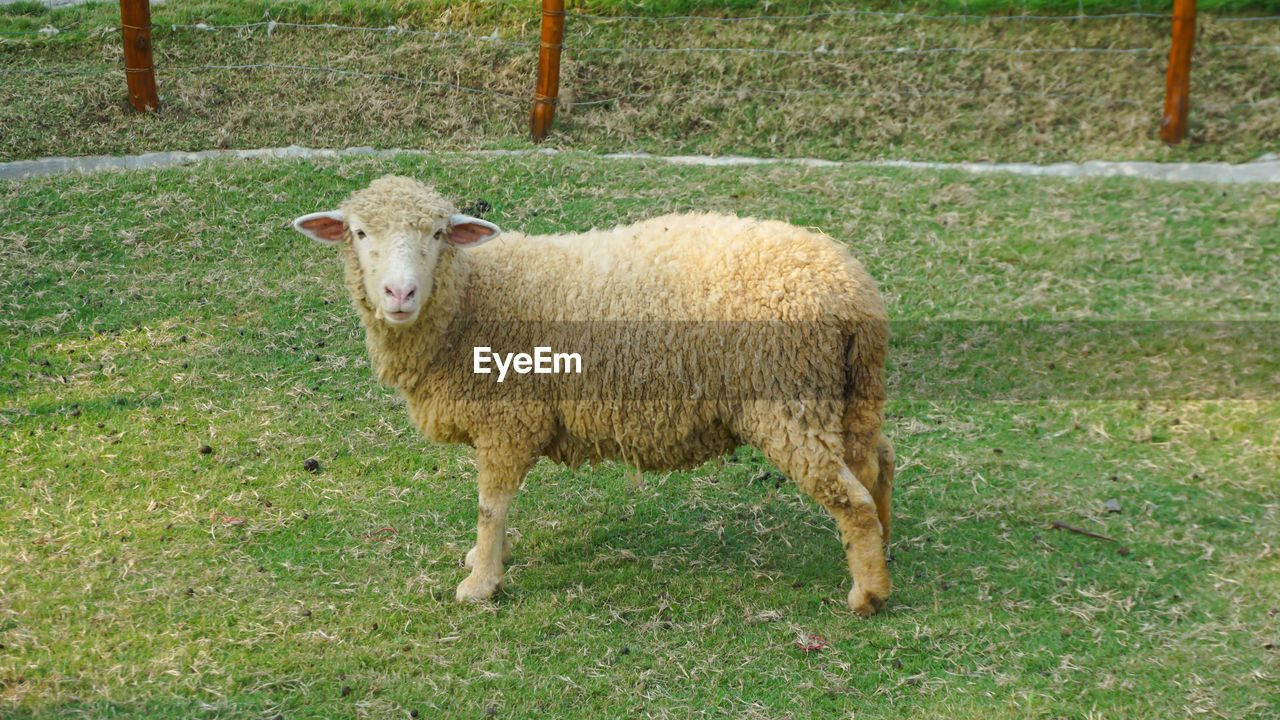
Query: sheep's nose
[[401, 295]]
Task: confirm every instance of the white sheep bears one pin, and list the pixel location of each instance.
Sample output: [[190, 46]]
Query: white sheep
[[696, 334]]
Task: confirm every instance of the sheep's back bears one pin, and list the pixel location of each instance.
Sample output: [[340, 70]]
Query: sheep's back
[[676, 267], [682, 323]]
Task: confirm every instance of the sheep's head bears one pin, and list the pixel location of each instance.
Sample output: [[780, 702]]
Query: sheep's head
[[396, 228]]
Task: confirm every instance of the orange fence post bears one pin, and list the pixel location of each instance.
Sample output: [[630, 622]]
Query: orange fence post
[[548, 90], [135, 20], [1178, 83]]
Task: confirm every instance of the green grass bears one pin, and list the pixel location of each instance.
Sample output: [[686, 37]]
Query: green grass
[[931, 106], [150, 313]]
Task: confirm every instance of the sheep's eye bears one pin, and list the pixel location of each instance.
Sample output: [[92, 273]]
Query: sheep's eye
[[360, 234], [439, 234]]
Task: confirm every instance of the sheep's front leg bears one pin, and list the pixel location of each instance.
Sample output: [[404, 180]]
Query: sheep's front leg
[[469, 562], [498, 487]]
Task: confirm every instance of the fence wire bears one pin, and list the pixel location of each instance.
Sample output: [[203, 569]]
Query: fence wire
[[660, 95], [1272, 102], [355, 73], [864, 13], [820, 51], [855, 93], [271, 26]]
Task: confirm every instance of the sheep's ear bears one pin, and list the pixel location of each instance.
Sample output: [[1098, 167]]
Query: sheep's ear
[[468, 231], [323, 227]]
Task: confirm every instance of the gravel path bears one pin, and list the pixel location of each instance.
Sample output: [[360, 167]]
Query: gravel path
[[1265, 169]]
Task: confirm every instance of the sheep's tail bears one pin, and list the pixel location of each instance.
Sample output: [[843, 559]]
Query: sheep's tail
[[867, 450], [866, 345], [866, 348]]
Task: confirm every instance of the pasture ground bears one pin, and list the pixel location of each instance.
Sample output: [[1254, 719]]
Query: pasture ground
[[148, 314]]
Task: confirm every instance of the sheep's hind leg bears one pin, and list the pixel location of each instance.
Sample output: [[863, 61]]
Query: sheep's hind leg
[[863, 536], [883, 493], [498, 483], [819, 471], [882, 489]]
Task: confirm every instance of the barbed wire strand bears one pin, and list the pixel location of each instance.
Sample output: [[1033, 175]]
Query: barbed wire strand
[[274, 66], [706, 50], [42, 71], [888, 51], [667, 18], [393, 30], [852, 93], [354, 73], [584, 16], [915, 51], [907, 93], [50, 32], [637, 96], [390, 30], [272, 24], [205, 26], [872, 13]]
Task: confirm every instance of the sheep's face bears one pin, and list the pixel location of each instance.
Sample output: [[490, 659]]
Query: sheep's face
[[397, 229]]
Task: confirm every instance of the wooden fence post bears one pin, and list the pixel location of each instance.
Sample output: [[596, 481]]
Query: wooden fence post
[[1178, 83], [548, 90], [135, 21]]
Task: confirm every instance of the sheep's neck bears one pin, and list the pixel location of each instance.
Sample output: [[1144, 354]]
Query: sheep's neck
[[402, 356]]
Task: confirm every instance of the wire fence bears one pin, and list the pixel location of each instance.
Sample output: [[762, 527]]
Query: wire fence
[[579, 44], [864, 13]]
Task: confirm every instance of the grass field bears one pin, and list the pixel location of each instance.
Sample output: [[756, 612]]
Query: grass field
[[963, 83], [149, 314]]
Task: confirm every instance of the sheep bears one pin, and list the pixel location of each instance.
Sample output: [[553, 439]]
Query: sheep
[[697, 334]]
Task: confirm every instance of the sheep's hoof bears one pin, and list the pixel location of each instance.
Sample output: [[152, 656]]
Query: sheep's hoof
[[866, 603], [470, 561], [476, 588]]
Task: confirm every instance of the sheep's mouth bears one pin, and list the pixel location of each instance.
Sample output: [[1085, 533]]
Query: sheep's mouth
[[399, 318]]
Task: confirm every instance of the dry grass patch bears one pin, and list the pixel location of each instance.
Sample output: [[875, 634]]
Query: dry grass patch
[[850, 100]]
